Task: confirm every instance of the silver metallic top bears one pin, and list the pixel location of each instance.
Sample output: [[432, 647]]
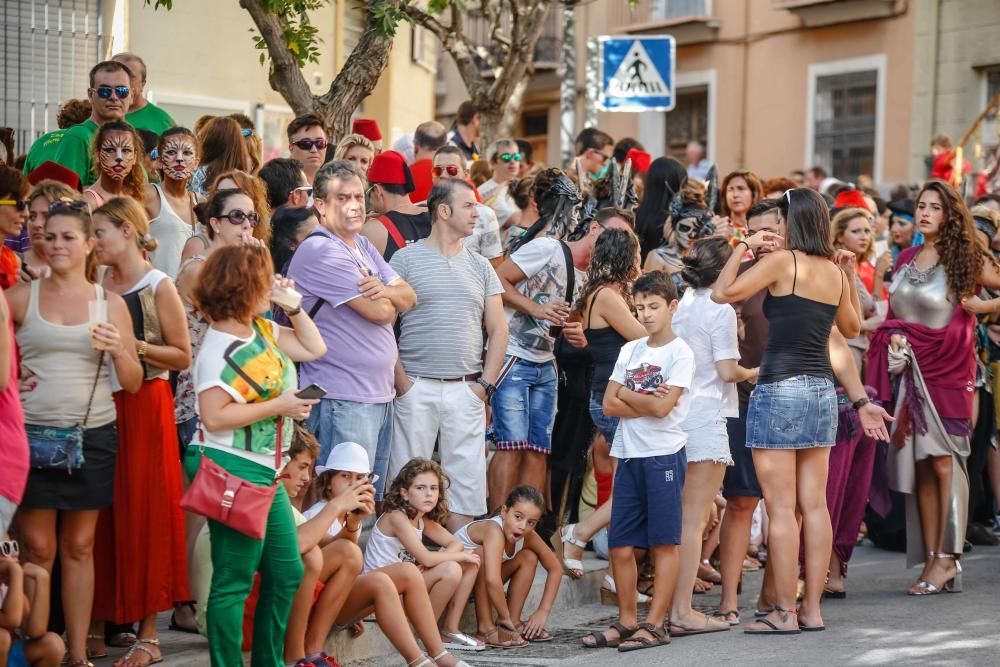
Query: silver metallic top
[[922, 296]]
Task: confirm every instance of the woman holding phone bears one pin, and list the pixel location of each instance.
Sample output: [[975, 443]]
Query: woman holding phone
[[66, 362], [246, 382]]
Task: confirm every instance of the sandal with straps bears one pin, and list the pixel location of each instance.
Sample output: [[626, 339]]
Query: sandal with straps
[[769, 626], [460, 663], [573, 567], [420, 661], [138, 646], [601, 639], [493, 638], [660, 637], [97, 656]]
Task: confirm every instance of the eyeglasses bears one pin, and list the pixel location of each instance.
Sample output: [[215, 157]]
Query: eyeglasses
[[9, 548], [307, 144], [604, 156], [105, 92], [68, 205], [451, 170], [246, 132], [19, 204], [238, 217], [304, 188], [507, 157]]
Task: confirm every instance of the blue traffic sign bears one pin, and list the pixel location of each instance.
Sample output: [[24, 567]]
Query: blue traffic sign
[[637, 73]]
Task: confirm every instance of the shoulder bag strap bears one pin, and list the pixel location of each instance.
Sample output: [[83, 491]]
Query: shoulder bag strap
[[93, 389], [393, 230], [570, 273], [319, 300]]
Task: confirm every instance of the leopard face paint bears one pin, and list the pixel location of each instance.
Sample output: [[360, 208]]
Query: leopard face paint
[[117, 155], [179, 158]]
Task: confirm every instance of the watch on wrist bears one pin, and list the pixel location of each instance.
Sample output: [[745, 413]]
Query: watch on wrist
[[861, 402], [490, 388]]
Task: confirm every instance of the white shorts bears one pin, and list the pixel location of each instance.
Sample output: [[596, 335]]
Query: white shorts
[[709, 443], [449, 409]]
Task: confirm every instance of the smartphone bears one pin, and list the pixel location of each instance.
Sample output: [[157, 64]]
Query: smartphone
[[372, 477], [312, 391]]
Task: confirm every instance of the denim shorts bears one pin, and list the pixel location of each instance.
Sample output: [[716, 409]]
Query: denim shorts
[[334, 421], [605, 425], [646, 501], [796, 413], [524, 406]]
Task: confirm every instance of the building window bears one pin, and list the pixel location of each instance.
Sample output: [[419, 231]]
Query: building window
[[845, 119], [665, 10], [535, 130], [990, 127], [687, 122]]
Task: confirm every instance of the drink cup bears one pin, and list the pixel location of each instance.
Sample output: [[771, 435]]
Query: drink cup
[[97, 313], [287, 298]]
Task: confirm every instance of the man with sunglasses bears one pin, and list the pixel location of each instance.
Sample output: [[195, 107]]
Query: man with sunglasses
[[594, 150], [286, 183], [142, 114], [110, 96], [307, 143], [428, 138], [485, 240]]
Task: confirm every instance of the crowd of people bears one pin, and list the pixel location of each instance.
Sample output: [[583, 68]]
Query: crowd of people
[[278, 397]]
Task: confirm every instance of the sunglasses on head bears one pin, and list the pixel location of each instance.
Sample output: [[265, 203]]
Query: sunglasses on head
[[507, 157], [307, 144], [246, 132], [451, 170], [105, 92], [238, 217], [64, 205], [9, 548], [19, 204]]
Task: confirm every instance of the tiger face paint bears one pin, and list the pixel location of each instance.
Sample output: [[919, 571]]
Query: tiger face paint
[[117, 155], [179, 158]]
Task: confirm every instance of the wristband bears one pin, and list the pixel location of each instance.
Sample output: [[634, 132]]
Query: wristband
[[348, 528], [742, 242], [293, 313], [861, 402]]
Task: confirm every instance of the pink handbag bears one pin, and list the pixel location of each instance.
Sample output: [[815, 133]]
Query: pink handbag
[[222, 496]]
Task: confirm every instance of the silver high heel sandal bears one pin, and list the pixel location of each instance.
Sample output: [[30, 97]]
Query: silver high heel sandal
[[953, 585]]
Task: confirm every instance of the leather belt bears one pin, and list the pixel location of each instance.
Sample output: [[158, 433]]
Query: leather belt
[[464, 378]]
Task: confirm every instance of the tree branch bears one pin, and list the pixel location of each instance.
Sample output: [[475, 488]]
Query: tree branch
[[458, 45], [285, 75]]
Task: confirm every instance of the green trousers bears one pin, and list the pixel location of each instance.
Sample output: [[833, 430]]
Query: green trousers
[[235, 560]]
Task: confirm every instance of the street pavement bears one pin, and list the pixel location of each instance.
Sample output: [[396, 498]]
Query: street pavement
[[876, 625]]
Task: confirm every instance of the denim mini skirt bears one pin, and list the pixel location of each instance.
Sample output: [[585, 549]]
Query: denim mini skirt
[[795, 413]]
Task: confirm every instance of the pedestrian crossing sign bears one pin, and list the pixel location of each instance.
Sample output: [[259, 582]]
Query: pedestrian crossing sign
[[637, 74]]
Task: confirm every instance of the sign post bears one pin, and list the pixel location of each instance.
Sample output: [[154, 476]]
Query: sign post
[[637, 73]]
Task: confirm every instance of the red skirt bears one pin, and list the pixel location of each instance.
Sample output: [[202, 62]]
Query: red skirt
[[140, 552]]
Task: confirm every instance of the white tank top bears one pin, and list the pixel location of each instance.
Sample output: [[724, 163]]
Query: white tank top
[[60, 364], [463, 536], [383, 550], [171, 233]]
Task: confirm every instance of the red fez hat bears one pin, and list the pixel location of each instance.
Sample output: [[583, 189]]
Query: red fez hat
[[389, 168], [50, 170], [640, 160], [851, 198], [368, 128]]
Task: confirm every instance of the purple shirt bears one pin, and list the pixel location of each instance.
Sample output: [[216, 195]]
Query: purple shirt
[[360, 354]]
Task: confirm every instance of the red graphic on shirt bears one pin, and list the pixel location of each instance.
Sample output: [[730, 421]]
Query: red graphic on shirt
[[644, 379]]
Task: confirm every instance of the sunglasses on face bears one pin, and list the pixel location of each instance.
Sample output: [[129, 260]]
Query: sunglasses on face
[[19, 204], [307, 144], [64, 205], [451, 170], [9, 548], [105, 92], [507, 157], [304, 188], [238, 217]]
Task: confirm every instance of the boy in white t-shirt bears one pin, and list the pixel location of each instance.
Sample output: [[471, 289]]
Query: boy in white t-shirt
[[648, 379]]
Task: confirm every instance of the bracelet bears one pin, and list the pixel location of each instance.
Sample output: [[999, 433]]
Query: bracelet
[[742, 242], [143, 349], [293, 313], [348, 528]]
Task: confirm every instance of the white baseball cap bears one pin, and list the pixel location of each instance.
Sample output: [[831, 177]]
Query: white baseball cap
[[349, 457]]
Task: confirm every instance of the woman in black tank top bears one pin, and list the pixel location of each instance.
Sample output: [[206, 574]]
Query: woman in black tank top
[[606, 296], [792, 416]]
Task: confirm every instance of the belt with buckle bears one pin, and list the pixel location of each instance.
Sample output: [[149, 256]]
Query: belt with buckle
[[464, 378]]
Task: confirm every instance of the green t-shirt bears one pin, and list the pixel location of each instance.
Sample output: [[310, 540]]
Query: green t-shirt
[[73, 150], [43, 150], [152, 118]]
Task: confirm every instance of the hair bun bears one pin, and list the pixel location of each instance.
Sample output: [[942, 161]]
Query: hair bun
[[148, 242]]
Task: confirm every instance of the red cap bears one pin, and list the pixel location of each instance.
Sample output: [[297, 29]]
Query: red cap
[[389, 168], [50, 170], [640, 160], [851, 198], [368, 128]]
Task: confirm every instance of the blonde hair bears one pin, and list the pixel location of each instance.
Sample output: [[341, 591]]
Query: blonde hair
[[120, 210], [843, 219], [349, 142], [52, 191]]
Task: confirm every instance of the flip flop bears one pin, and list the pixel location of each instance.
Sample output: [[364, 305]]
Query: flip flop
[[724, 616], [773, 629], [811, 628], [660, 638], [834, 595], [711, 625]]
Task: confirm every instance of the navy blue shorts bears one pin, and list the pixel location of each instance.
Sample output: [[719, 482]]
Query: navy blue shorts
[[646, 507], [741, 477]]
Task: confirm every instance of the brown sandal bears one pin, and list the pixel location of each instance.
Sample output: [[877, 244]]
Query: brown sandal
[[601, 639], [659, 638], [494, 638]]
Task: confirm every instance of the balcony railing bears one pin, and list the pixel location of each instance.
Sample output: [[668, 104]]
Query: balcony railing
[[689, 21], [479, 30]]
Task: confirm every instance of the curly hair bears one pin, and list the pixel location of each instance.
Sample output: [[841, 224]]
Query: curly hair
[[134, 184], [233, 282], [613, 263], [73, 112], [960, 254], [404, 480]]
